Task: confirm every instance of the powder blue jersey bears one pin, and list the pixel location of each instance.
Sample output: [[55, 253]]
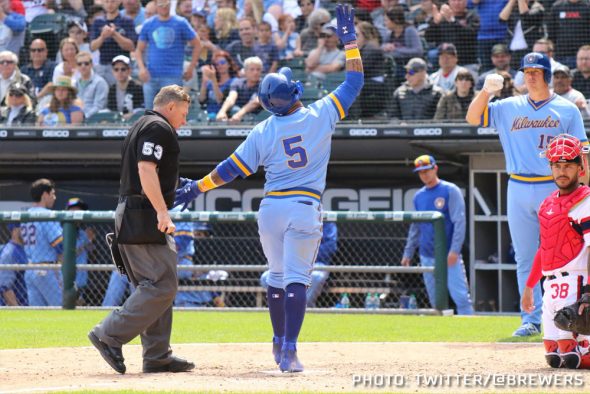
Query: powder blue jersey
[[185, 241], [43, 240], [526, 128], [294, 149]]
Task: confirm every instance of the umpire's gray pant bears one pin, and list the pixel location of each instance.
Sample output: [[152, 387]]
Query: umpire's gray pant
[[148, 310]]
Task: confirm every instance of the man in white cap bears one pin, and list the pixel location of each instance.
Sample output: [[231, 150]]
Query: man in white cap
[[125, 95]]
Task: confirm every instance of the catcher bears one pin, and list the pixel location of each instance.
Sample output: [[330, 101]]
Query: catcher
[[563, 257]]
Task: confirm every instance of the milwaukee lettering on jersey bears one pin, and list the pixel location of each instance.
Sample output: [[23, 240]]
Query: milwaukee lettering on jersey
[[523, 122]]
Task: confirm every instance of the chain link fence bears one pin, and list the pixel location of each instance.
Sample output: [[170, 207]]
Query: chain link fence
[[221, 262]]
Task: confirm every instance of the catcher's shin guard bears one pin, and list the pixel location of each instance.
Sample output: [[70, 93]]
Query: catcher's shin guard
[[584, 349], [552, 353], [570, 356]]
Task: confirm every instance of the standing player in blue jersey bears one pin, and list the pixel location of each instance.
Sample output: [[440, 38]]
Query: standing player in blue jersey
[[526, 124], [446, 198], [43, 244], [13, 290], [293, 146]]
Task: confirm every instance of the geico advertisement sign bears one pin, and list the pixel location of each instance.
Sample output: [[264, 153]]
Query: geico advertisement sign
[[362, 132], [428, 131]]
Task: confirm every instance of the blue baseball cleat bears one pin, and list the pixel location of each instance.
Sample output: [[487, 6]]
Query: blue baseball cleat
[[527, 330], [277, 345], [289, 361]]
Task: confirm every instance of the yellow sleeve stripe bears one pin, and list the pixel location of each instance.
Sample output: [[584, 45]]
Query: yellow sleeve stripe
[[585, 142], [485, 117], [185, 233], [338, 105], [240, 165], [57, 241]]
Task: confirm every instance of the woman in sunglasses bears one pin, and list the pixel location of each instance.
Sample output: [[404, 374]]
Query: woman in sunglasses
[[19, 109], [454, 104], [216, 81]]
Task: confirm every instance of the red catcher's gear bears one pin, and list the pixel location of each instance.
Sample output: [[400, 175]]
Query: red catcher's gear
[[561, 239], [563, 148]]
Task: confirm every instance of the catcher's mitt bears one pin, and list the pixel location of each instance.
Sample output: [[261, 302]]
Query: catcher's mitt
[[568, 319]]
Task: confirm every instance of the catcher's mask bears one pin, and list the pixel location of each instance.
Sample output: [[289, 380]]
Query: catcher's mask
[[565, 148]]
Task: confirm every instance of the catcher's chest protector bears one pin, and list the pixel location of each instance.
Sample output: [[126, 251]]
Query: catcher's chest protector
[[561, 237]]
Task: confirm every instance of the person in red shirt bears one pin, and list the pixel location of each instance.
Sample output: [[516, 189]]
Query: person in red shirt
[[563, 257]]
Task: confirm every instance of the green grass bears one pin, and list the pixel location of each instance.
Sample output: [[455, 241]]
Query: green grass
[[56, 328]]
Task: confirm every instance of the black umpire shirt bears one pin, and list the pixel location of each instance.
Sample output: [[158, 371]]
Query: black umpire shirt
[[153, 139]]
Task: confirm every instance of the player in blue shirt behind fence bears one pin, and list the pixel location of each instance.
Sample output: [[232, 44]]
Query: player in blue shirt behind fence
[[446, 198], [13, 291], [294, 147]]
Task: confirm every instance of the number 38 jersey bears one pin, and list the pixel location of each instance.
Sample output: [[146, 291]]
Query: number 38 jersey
[[526, 127], [293, 149], [152, 139]]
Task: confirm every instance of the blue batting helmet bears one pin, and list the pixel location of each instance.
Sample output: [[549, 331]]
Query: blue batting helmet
[[537, 60], [278, 92]]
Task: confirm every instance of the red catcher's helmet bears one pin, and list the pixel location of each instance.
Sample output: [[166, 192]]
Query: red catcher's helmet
[[564, 148]]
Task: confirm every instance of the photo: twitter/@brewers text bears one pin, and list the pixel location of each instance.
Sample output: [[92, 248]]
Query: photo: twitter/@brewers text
[[530, 380]]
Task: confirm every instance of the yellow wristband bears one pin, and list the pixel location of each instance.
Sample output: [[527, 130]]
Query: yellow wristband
[[353, 54], [206, 184]]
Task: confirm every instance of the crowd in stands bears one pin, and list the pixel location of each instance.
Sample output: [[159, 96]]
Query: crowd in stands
[[80, 61]]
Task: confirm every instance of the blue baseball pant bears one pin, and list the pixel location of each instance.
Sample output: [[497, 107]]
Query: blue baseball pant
[[456, 282]]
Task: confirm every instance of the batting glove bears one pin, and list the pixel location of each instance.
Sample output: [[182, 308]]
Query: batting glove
[[345, 23], [493, 83], [183, 181], [186, 194]]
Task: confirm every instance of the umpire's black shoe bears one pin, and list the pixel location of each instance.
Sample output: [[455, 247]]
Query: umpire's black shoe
[[112, 355], [176, 365]]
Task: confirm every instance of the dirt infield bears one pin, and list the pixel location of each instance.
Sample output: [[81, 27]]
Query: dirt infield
[[330, 367]]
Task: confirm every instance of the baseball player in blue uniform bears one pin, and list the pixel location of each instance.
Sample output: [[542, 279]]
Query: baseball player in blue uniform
[[328, 247], [293, 146], [13, 290], [43, 244], [118, 285], [526, 124], [446, 198], [84, 245]]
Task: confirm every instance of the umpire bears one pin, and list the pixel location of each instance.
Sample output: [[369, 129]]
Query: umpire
[[149, 175]]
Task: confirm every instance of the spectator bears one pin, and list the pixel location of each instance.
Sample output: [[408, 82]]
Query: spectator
[[454, 103], [454, 23], [113, 35], [207, 46], [581, 75], [327, 249], [94, 12], [34, 8], [43, 243], [93, 90], [567, 22], [421, 14], [84, 245], [198, 19], [492, 30], [562, 85], [508, 89], [12, 283], [327, 57], [243, 93], [309, 36], [10, 73], [79, 33], [185, 236], [372, 99], [149, 11], [287, 39], [68, 48], [165, 52], [417, 98], [19, 108], [74, 9], [265, 49], [301, 22], [216, 82], [543, 46], [12, 28], [226, 27], [184, 9], [254, 9], [403, 42], [501, 60], [445, 77], [378, 18], [243, 48], [63, 108], [126, 95], [446, 198], [133, 10], [525, 25]]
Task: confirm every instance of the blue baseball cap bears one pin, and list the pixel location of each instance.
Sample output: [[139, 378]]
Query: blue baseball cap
[[12, 226], [424, 162]]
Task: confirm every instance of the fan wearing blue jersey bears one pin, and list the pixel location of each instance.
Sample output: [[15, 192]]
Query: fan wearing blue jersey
[[293, 146], [526, 124], [43, 244]]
